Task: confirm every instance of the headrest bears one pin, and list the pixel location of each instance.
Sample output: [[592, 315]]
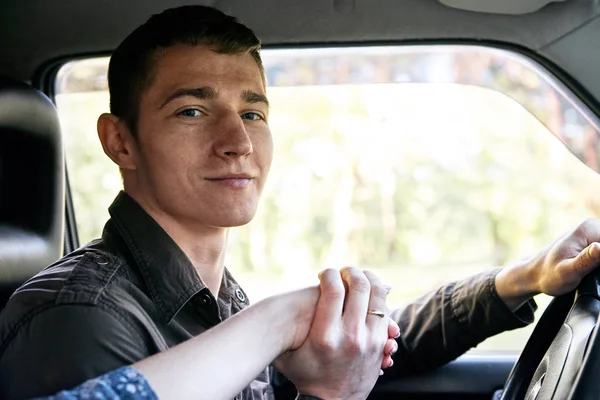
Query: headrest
[[31, 183]]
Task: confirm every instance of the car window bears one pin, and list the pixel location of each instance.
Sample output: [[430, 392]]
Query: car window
[[424, 164]]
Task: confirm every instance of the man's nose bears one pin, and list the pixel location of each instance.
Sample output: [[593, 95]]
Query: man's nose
[[233, 140]]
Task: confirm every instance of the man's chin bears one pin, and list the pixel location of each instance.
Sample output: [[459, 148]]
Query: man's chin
[[233, 221], [233, 224]]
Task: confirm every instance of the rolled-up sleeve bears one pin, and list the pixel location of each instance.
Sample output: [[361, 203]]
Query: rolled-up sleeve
[[445, 323]]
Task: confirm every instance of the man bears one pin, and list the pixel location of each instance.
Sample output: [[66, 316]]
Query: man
[[189, 131]]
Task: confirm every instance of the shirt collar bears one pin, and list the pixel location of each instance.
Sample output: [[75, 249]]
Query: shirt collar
[[169, 274]]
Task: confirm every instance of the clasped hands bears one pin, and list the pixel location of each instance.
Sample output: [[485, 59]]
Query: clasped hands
[[340, 348]]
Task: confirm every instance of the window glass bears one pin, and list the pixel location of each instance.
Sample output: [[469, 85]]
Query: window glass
[[424, 164]]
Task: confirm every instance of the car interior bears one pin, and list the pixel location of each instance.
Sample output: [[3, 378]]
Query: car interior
[[309, 47]]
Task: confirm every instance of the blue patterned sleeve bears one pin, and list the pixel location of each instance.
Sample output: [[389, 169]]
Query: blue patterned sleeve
[[125, 383]]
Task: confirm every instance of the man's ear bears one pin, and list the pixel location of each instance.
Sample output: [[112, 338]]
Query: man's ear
[[117, 141]]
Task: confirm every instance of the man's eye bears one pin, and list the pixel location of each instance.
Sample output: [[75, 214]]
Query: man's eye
[[252, 116], [190, 113]]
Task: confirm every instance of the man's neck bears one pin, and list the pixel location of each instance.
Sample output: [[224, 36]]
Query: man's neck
[[204, 246], [208, 257]]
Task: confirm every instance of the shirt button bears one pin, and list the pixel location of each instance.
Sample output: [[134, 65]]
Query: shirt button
[[101, 260], [205, 299], [240, 295]]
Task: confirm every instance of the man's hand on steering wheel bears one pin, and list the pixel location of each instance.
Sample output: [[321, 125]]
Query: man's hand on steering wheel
[[561, 359], [555, 270]]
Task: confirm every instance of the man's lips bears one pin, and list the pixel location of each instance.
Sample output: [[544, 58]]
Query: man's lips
[[233, 181], [230, 176]]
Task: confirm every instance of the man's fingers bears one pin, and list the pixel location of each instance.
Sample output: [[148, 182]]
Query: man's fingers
[[331, 299], [377, 298], [357, 298]]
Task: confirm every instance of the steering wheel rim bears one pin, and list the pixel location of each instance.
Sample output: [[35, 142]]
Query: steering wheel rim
[[559, 361]]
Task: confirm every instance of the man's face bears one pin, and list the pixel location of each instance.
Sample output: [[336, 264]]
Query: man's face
[[205, 147]]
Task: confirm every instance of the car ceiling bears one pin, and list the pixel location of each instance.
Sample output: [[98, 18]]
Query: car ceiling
[[32, 32]]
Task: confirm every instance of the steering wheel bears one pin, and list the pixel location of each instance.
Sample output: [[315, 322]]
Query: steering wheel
[[561, 359]]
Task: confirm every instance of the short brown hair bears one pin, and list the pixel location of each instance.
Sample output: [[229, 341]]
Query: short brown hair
[[131, 66]]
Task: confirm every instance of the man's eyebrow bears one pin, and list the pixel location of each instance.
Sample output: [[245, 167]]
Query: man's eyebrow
[[203, 93], [252, 97]]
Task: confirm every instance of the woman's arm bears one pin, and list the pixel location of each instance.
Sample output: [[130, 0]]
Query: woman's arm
[[196, 369], [217, 364]]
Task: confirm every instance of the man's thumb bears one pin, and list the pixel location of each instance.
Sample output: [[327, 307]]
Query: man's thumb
[[589, 258]]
